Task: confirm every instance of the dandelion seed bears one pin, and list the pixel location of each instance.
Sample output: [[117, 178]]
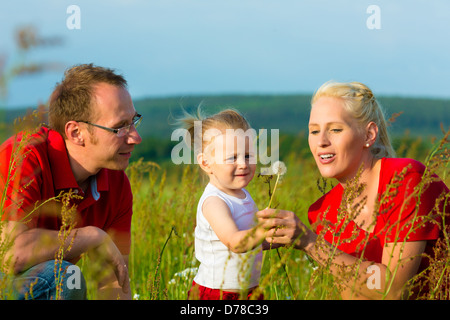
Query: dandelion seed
[[279, 168]]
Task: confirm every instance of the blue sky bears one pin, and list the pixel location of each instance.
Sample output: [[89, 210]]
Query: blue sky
[[184, 47]]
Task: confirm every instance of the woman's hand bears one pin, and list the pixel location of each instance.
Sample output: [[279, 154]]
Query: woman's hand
[[285, 228]]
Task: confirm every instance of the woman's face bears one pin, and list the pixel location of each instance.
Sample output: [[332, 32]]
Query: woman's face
[[336, 140]]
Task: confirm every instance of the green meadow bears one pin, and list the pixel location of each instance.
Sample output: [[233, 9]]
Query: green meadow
[[162, 259]]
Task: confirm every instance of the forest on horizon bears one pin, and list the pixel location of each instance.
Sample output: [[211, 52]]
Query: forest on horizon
[[415, 119]]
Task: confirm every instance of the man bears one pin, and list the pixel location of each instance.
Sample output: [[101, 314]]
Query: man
[[91, 134]]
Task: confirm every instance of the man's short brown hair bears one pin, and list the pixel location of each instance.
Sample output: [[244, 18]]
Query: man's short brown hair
[[72, 97]]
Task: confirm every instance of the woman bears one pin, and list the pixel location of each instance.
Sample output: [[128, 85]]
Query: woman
[[370, 229]]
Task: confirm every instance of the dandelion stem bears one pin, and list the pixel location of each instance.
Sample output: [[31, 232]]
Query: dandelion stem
[[278, 252], [273, 192]]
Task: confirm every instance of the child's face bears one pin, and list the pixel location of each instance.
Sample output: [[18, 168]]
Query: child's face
[[231, 163]]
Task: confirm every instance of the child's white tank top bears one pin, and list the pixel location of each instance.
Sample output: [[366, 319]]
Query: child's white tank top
[[219, 267]]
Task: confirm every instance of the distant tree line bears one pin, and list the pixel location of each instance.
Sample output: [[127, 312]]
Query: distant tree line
[[415, 120]]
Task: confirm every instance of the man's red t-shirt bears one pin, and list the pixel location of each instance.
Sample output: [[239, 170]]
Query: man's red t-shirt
[[36, 168], [394, 219]]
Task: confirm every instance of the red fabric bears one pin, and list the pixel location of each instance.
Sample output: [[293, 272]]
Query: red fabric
[[40, 170], [199, 292], [394, 216]]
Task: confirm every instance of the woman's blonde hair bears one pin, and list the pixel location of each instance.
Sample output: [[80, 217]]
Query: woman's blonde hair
[[360, 102], [226, 119]]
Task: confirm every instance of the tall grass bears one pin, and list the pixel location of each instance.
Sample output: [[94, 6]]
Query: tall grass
[[163, 203], [165, 199], [162, 262]]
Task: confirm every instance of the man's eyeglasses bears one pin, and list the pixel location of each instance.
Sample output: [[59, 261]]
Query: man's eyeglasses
[[120, 132]]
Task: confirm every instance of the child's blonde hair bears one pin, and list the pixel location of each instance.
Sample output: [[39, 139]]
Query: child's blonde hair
[[226, 119], [360, 102]]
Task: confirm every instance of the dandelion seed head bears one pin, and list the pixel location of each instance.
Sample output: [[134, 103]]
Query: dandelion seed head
[[279, 168]]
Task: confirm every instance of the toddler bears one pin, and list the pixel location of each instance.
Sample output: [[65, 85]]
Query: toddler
[[228, 243]]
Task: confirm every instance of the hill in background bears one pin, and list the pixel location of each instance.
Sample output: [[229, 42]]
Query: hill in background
[[290, 113], [420, 117]]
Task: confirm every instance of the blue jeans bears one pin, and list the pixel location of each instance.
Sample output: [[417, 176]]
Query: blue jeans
[[40, 283]]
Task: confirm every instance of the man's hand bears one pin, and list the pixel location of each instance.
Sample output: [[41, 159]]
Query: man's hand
[[108, 253]]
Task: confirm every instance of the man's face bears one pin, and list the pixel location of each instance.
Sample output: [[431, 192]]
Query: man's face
[[112, 108]]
